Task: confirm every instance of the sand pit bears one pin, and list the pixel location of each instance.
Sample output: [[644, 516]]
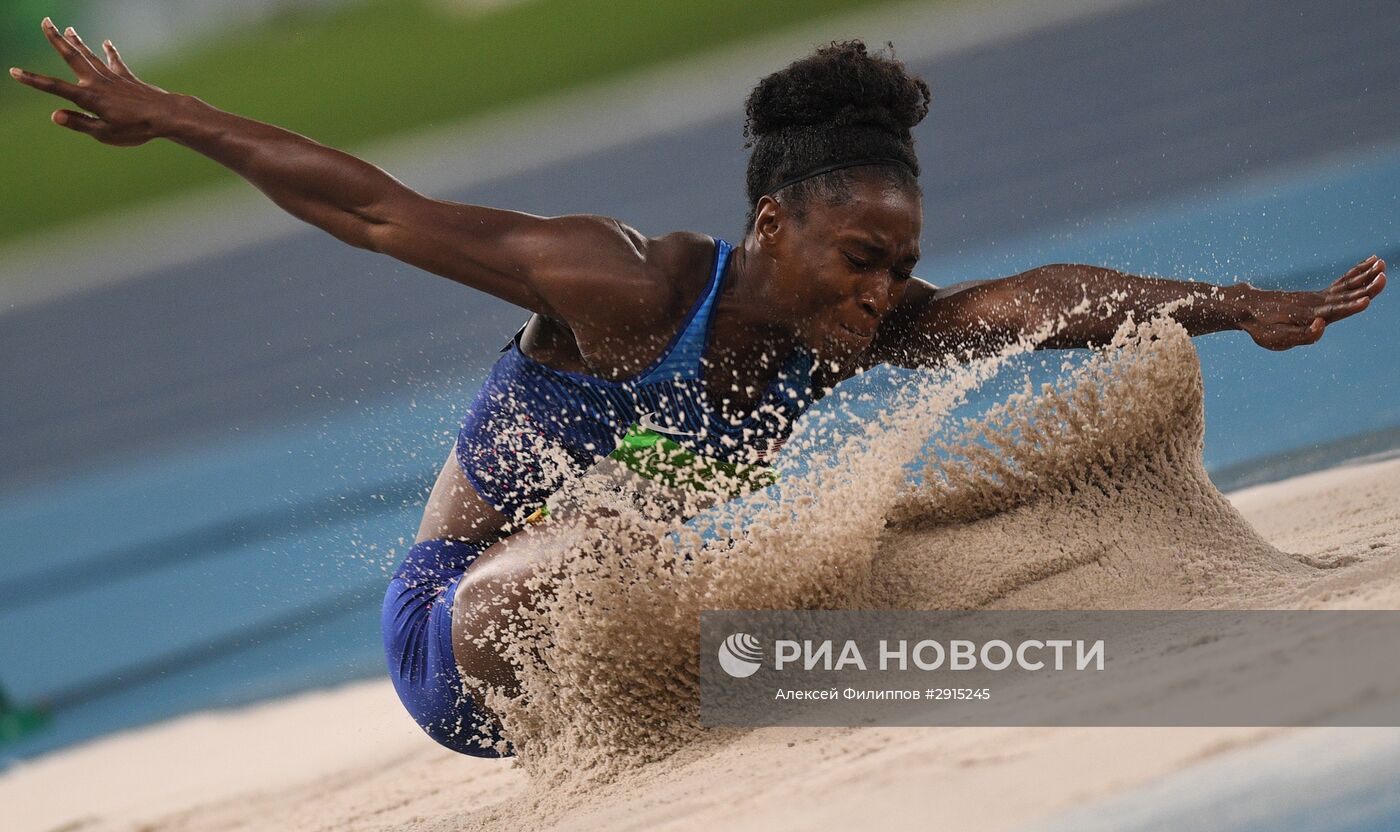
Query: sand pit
[[1091, 496]]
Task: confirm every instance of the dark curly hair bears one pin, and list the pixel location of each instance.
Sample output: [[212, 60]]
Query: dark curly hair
[[839, 104]]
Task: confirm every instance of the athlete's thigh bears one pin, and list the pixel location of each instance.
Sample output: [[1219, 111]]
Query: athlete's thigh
[[490, 597]]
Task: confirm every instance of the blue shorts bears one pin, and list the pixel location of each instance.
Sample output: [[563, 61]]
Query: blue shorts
[[416, 623]]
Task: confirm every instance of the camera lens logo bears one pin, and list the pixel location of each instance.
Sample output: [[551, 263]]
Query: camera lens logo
[[741, 655]]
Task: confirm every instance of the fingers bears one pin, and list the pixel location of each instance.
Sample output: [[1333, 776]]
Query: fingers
[[1368, 285], [54, 86], [70, 53], [1337, 310], [1293, 319], [1353, 288], [1339, 302], [115, 62], [81, 122], [1361, 273], [1369, 289], [1360, 267], [71, 35]]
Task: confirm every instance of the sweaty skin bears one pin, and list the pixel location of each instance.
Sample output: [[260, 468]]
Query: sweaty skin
[[606, 298]]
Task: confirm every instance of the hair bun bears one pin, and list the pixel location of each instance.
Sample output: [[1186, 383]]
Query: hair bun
[[841, 84]]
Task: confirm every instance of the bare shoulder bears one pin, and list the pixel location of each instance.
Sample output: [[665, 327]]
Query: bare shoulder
[[635, 294], [681, 261], [589, 268], [619, 244], [673, 270]]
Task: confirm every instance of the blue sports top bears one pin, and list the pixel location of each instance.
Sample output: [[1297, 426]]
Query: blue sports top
[[531, 427]]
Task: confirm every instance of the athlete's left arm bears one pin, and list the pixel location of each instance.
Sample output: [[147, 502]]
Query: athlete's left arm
[[1084, 306]]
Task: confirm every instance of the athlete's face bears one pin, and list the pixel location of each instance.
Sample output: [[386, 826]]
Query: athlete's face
[[844, 266]]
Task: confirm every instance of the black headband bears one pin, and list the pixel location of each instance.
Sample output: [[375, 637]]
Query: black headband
[[850, 163]]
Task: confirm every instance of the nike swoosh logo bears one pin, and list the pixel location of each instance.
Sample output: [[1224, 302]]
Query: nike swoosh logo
[[647, 422]]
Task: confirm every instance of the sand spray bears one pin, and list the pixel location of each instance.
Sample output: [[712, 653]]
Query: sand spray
[[1088, 492]]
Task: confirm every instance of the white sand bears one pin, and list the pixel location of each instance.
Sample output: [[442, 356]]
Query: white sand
[[351, 759]]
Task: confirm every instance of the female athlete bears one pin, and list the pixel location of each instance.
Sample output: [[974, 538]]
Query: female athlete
[[714, 348]]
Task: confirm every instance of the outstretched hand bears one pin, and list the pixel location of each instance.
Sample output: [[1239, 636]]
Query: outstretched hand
[[122, 109], [1280, 320]]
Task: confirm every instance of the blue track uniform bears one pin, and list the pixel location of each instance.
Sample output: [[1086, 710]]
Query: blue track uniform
[[529, 429]]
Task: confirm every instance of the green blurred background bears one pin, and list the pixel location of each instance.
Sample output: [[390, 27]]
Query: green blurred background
[[345, 73]]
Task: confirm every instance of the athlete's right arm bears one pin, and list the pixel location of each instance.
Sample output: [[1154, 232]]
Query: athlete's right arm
[[543, 264]]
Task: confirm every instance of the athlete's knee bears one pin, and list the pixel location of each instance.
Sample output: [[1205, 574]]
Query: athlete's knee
[[416, 623]]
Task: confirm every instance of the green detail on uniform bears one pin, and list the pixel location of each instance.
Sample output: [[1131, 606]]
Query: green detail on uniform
[[655, 457], [663, 462]]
